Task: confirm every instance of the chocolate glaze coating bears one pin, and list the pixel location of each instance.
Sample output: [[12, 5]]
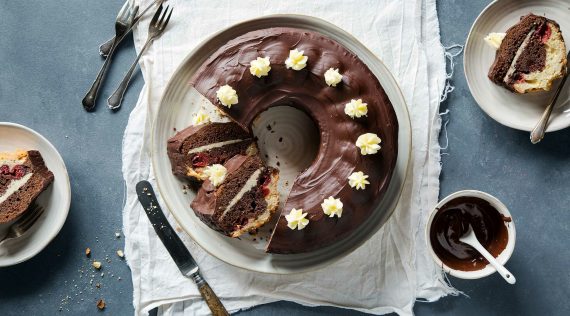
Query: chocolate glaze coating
[[452, 221], [306, 90]]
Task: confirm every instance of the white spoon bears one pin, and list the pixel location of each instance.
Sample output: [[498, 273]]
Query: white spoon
[[470, 239]]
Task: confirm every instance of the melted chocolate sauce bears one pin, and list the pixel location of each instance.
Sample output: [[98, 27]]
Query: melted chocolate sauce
[[452, 221]]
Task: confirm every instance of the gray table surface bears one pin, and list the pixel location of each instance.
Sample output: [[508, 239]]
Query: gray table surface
[[49, 58]]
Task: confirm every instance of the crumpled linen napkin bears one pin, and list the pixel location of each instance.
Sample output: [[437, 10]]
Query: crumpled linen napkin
[[390, 271]]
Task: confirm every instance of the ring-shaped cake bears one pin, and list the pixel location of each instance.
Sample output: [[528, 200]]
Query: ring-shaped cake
[[305, 89]]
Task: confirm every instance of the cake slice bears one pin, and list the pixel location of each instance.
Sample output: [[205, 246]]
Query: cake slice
[[23, 176], [531, 56], [244, 201], [196, 147]]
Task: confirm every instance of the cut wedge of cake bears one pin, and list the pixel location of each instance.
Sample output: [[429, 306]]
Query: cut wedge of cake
[[243, 201], [197, 147], [531, 56], [23, 176]]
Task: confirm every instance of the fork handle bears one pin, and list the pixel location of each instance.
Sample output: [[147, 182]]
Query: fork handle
[[89, 99], [539, 130], [114, 101]]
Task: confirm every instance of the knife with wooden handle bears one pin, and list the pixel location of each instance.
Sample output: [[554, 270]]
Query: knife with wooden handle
[[176, 248]]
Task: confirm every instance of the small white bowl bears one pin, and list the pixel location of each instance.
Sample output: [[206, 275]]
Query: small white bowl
[[503, 256]]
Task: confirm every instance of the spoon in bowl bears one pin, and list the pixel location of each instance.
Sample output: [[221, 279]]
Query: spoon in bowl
[[470, 239]]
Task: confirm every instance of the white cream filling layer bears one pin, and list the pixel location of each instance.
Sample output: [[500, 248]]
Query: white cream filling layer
[[14, 186], [518, 55], [213, 145], [249, 184]]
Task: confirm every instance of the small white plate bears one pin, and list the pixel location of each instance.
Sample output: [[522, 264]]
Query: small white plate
[[180, 100], [503, 257], [516, 111], [55, 200]]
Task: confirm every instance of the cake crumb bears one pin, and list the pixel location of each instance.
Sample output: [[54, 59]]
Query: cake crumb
[[98, 285], [117, 235], [88, 252], [101, 304], [96, 265], [120, 253]]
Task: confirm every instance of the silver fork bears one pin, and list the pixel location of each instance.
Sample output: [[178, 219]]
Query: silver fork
[[124, 21], [105, 48], [24, 223], [155, 29]]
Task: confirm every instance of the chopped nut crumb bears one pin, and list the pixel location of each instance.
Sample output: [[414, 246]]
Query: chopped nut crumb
[[98, 285], [88, 252], [120, 253], [101, 304], [96, 265]]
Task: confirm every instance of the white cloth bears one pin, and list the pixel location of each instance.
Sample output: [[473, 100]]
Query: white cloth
[[390, 271]]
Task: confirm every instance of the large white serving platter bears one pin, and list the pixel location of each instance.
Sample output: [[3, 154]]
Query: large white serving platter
[[55, 200], [513, 110], [180, 101]]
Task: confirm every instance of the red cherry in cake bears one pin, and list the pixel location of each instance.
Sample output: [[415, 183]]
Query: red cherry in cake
[[5, 170], [265, 180], [200, 160], [19, 171], [545, 32]]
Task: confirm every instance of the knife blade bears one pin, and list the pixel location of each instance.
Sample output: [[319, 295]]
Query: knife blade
[[175, 247]]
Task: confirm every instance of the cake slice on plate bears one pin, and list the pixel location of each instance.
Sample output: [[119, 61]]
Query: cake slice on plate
[[23, 176], [530, 57], [239, 196], [197, 147]]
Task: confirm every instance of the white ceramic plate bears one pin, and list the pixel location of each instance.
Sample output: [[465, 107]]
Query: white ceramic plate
[[516, 111], [180, 101], [55, 200]]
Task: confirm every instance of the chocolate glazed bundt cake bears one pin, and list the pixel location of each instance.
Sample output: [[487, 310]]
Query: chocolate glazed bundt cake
[[531, 56], [23, 176], [345, 184]]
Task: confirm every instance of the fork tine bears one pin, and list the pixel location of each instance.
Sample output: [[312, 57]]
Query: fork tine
[[32, 220], [30, 215], [124, 10], [162, 17], [27, 215], [133, 14], [163, 25], [156, 15]]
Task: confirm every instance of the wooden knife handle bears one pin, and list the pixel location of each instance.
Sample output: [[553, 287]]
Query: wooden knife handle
[[210, 297]]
